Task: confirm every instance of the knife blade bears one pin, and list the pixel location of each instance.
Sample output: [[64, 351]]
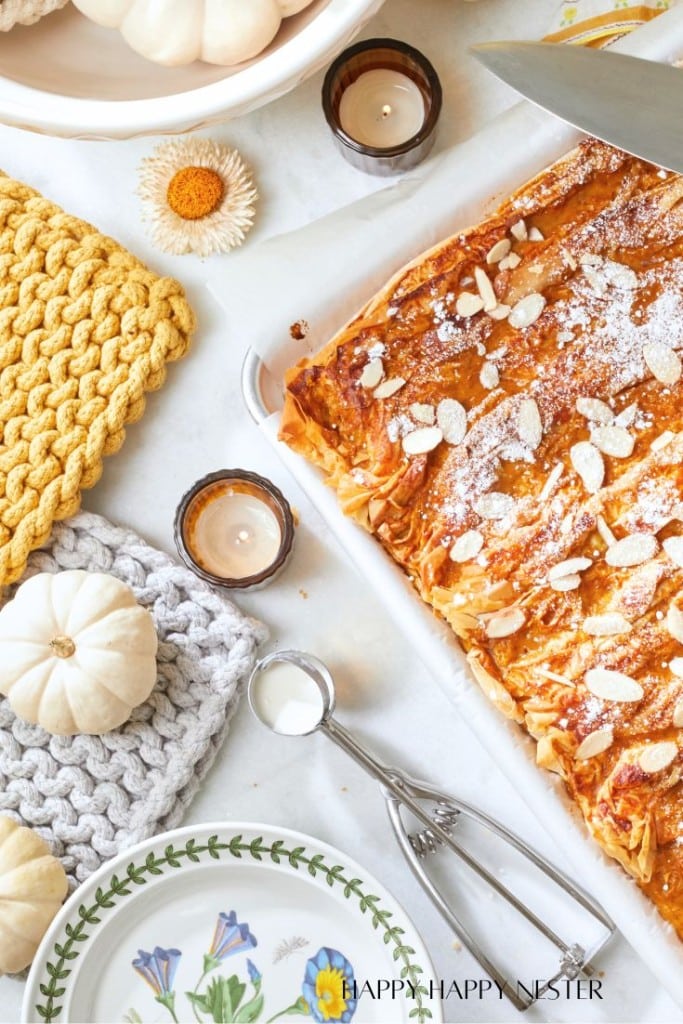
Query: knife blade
[[632, 103]]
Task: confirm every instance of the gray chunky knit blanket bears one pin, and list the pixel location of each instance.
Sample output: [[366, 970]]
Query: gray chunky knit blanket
[[92, 796]]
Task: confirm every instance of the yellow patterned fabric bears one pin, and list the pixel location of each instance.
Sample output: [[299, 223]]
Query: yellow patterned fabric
[[85, 330], [599, 22]]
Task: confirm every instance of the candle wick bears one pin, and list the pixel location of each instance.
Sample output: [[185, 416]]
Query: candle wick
[[386, 110]]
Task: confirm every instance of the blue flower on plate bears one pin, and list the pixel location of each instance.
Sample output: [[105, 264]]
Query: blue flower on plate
[[158, 969], [328, 987], [230, 937], [254, 973]]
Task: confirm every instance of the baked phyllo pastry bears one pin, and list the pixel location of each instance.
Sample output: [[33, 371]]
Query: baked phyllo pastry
[[506, 417]]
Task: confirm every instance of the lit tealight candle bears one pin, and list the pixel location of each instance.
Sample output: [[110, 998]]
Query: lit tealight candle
[[382, 100], [234, 529], [382, 109]]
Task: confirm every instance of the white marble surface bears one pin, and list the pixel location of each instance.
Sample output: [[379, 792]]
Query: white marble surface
[[197, 423]]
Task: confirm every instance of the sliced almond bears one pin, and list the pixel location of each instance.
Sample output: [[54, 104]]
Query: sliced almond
[[632, 550], [452, 419], [609, 685], [485, 289], [674, 623], [622, 277], [568, 566], [467, 546], [566, 583], [594, 743], [678, 714], [604, 531], [505, 623], [529, 425], [665, 438], [467, 304], [595, 410], [510, 262], [658, 756], [674, 550], [498, 251], [418, 442], [567, 523], [373, 371], [588, 463], [388, 387], [527, 311], [518, 231], [500, 312], [613, 441], [627, 416], [494, 505], [676, 666], [423, 413], [551, 481], [608, 624], [663, 363], [555, 677], [535, 235], [569, 258], [489, 377]]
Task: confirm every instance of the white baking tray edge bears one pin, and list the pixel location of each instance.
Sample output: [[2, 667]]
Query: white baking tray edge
[[529, 141]]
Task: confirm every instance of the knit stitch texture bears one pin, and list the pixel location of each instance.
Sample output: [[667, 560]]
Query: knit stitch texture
[[25, 12], [85, 331], [91, 796]]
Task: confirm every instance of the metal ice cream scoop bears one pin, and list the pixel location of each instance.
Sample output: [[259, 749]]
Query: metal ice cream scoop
[[293, 694]]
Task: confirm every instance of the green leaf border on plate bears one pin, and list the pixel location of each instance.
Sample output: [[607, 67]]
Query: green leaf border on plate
[[172, 857]]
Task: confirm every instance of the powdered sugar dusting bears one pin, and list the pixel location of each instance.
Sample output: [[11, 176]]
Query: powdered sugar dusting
[[377, 350], [613, 343], [399, 426], [617, 338]]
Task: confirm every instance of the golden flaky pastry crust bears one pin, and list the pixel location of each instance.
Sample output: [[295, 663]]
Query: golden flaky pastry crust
[[588, 359]]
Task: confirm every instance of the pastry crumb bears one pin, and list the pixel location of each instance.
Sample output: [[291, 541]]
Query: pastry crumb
[[299, 330]]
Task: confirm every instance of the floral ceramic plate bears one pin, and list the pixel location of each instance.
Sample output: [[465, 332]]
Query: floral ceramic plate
[[231, 923]]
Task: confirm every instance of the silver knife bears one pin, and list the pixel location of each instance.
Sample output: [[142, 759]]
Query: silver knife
[[634, 104]]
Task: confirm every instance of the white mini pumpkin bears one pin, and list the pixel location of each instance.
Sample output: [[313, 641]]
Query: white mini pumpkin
[[181, 31], [77, 653], [32, 889], [26, 12]]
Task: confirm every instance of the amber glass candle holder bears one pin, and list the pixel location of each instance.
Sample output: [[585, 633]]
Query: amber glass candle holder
[[407, 74], [234, 529]]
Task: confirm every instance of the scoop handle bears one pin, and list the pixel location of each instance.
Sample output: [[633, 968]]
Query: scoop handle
[[400, 789]]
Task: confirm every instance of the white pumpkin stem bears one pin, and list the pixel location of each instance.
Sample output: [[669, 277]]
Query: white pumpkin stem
[[63, 646]]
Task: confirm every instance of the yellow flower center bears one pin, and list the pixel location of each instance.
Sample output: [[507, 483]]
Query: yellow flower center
[[329, 988], [195, 192]]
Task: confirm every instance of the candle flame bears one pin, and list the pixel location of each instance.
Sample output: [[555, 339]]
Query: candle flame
[[386, 110]]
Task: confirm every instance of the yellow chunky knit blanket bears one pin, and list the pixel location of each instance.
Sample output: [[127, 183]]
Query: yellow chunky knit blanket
[[85, 330]]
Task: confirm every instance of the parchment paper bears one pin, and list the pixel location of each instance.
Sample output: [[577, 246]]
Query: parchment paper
[[322, 275]]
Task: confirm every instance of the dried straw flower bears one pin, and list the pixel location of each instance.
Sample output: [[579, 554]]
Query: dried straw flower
[[199, 195]]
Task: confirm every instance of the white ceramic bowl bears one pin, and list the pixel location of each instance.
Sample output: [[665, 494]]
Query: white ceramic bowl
[[67, 76]]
